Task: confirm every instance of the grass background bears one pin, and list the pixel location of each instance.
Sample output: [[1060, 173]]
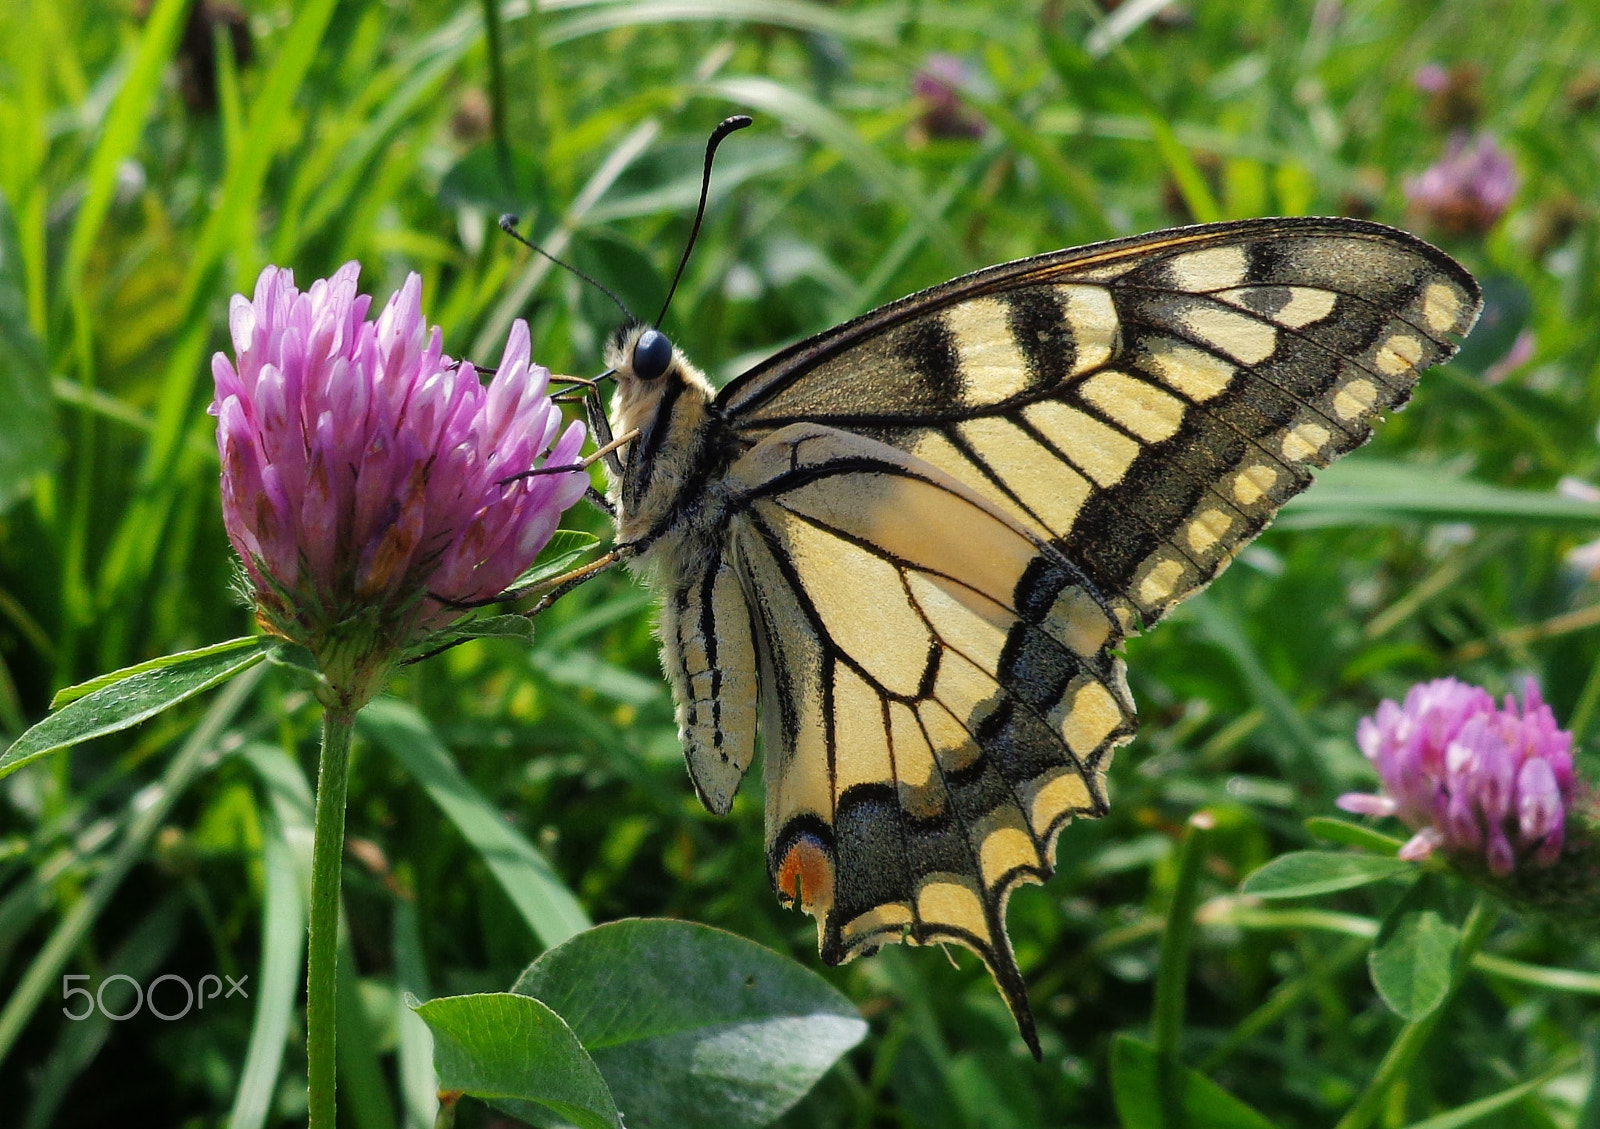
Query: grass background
[[153, 157]]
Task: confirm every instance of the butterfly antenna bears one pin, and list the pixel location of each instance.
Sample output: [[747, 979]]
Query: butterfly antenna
[[508, 224], [728, 125]]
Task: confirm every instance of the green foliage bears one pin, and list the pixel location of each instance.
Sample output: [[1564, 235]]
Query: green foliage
[[1301, 874], [1414, 957], [670, 1023], [692, 1025], [115, 701], [512, 792], [516, 1053], [1137, 1086]]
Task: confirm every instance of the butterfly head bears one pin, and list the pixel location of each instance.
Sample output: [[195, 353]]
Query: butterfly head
[[650, 371], [658, 390]]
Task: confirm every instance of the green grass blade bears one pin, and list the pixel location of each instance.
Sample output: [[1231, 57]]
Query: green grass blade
[[124, 127], [364, 1096], [419, 1088], [1474, 1112], [28, 439], [139, 956], [1375, 491], [873, 26], [286, 869], [491, 338], [543, 899], [806, 114], [230, 224]]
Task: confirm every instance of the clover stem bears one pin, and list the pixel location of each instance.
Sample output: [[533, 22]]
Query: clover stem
[[327, 855]]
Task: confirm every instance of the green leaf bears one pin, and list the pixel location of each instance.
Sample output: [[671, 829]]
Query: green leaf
[[1414, 956], [1473, 1112], [514, 1052], [584, 670], [28, 440], [869, 26], [146, 947], [129, 696], [692, 1026], [148, 811], [565, 550], [1352, 835], [797, 111], [518, 627], [549, 908], [633, 274], [1136, 1089], [70, 694], [1301, 874]]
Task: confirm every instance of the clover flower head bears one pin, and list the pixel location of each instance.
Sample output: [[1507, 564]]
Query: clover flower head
[[367, 478], [1467, 190], [1470, 779]]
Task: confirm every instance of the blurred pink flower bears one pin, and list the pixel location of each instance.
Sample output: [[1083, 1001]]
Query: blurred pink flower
[[1470, 779], [364, 472], [1583, 559], [1431, 78], [1467, 190], [1521, 352], [938, 86]]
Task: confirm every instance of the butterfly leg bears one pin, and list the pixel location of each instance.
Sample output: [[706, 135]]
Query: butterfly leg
[[559, 586], [600, 501], [585, 464]]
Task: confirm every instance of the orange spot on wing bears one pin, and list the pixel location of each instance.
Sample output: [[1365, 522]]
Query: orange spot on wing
[[806, 874]]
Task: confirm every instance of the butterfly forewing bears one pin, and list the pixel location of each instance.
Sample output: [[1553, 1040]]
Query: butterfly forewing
[[1146, 404]]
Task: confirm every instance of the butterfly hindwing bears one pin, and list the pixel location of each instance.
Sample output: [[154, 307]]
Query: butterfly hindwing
[[709, 653], [940, 694]]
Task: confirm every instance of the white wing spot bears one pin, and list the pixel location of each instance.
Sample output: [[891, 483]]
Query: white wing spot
[[1029, 470], [1355, 399], [1149, 412], [1195, 373], [1215, 268], [1092, 317], [1246, 339], [1399, 354], [1206, 529], [1252, 483], [991, 365], [1103, 453], [1159, 582], [1306, 305], [1086, 718], [1441, 306], [1304, 441], [1077, 622]]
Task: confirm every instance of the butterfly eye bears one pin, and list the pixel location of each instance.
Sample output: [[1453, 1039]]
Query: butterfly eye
[[652, 353]]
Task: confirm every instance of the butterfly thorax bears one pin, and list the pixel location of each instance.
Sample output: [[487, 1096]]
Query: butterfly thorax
[[666, 497]]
